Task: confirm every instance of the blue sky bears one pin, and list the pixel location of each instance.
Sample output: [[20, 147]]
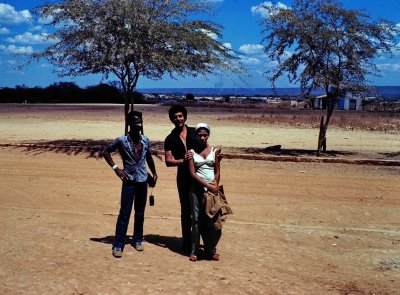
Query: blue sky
[[20, 33]]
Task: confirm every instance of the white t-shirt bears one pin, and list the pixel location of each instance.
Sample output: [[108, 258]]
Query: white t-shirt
[[205, 167]]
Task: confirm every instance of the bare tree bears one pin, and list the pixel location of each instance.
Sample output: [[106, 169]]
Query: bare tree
[[134, 38], [322, 45]]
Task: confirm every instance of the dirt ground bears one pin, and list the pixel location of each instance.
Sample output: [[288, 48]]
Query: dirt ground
[[297, 227]]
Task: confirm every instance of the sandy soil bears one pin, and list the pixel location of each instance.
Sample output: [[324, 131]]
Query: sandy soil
[[297, 228]]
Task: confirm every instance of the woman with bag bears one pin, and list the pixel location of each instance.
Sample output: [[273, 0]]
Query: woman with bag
[[205, 170]]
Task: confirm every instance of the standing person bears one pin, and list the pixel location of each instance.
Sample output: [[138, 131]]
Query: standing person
[[205, 170], [177, 147], [134, 149]]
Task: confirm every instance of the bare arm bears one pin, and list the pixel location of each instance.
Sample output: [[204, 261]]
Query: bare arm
[[217, 166], [150, 163], [171, 162], [119, 172], [192, 170]]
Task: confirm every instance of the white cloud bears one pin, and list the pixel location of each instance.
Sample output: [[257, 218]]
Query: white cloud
[[45, 20], [250, 61], [251, 48], [210, 34], [2, 47], [389, 67], [12, 49], [228, 45], [36, 28], [8, 15], [29, 38], [261, 9], [48, 19], [4, 31]]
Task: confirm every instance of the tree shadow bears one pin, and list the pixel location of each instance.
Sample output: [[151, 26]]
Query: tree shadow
[[277, 150], [93, 149], [392, 155], [89, 147]]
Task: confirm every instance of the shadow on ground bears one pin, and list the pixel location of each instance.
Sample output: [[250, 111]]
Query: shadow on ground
[[392, 155], [171, 243], [90, 148], [105, 240], [93, 149], [295, 152]]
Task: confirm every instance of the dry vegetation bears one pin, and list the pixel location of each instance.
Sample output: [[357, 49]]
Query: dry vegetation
[[285, 115], [349, 120]]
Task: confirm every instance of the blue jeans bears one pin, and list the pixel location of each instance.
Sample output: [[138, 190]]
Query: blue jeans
[[132, 193]]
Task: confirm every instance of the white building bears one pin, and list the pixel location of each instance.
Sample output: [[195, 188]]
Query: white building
[[351, 102]]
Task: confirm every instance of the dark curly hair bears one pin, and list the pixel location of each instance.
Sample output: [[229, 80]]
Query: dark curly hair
[[177, 109]]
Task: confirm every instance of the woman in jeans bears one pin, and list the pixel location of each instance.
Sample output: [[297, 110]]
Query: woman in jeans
[[205, 170]]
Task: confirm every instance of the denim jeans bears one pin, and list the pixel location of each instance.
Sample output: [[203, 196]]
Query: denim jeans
[[195, 207], [201, 223], [132, 194]]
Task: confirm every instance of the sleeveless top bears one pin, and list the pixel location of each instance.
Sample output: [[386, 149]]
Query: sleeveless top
[[205, 167]]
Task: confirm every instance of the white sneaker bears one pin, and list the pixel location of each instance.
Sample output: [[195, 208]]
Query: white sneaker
[[117, 252], [138, 246]]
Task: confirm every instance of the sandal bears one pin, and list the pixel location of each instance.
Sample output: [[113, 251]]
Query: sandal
[[193, 257], [215, 257]]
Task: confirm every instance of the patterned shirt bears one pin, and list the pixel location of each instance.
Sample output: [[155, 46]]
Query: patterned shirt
[[136, 170]]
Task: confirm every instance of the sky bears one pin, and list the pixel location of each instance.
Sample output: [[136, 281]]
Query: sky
[[20, 33]]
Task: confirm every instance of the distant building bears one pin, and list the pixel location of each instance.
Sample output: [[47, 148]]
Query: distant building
[[299, 104], [151, 98], [238, 99], [351, 102], [348, 102], [320, 102]]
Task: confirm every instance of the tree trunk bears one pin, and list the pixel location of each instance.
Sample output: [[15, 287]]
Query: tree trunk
[[126, 110], [129, 85], [321, 137], [323, 126]]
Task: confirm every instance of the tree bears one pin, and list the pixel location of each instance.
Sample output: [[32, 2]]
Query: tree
[[134, 38], [333, 48], [189, 97]]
